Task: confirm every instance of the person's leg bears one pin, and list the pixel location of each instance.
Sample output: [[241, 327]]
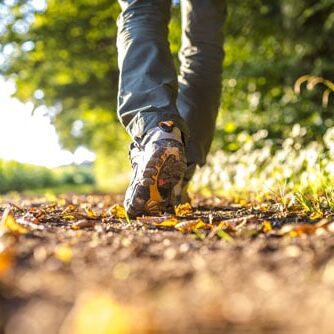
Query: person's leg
[[148, 81], [147, 106], [201, 57]]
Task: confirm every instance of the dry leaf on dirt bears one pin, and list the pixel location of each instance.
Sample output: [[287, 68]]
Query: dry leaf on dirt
[[9, 224], [167, 223], [184, 209], [191, 225], [316, 215], [91, 213], [266, 226], [117, 211]]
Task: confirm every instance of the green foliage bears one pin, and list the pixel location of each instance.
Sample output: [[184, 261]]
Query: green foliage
[[65, 57], [15, 176], [269, 45]]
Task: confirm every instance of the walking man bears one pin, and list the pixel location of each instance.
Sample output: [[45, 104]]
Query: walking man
[[170, 118]]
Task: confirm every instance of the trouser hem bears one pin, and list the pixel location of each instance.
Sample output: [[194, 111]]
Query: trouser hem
[[148, 119]]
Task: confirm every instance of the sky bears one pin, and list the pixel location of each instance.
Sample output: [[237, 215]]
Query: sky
[[31, 138]]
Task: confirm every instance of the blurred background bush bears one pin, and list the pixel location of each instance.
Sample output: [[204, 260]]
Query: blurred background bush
[[62, 54], [15, 176]]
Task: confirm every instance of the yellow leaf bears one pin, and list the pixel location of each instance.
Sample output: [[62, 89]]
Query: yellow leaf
[[167, 223], [316, 215], [192, 225], [184, 209], [266, 226], [117, 211], [8, 223], [63, 253], [91, 213]]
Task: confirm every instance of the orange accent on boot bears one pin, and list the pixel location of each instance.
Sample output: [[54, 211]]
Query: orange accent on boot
[[166, 125]]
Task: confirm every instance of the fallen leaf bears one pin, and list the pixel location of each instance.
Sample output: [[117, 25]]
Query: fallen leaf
[[63, 253], [266, 226], [167, 223], [184, 209], [191, 225], [69, 208], [316, 215], [9, 224], [91, 213], [117, 211]]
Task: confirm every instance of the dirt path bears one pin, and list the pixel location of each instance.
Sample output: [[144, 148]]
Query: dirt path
[[77, 267]]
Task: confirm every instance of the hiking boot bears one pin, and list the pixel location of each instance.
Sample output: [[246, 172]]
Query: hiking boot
[[181, 194], [158, 164]]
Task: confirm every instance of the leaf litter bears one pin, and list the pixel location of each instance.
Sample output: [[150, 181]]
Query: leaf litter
[[82, 245]]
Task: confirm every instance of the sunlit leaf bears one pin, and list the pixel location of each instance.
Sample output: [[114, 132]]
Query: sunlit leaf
[[117, 211], [192, 225], [9, 224], [167, 223], [266, 226], [91, 213], [316, 215], [63, 253], [183, 209]]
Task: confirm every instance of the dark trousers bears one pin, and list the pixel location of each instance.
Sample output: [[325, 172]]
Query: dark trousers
[[150, 90]]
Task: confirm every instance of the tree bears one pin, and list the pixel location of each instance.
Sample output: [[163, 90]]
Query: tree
[[64, 56]]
